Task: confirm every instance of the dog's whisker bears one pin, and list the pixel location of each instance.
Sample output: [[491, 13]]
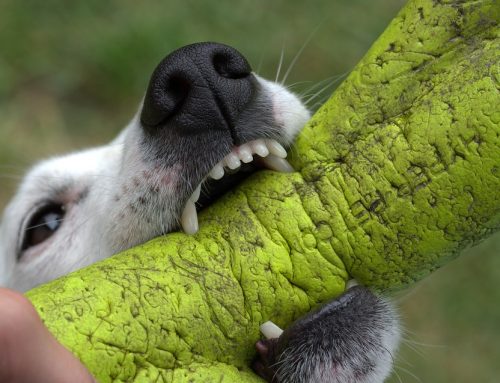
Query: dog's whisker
[[329, 79], [314, 107], [417, 346], [295, 84], [413, 348], [296, 57], [43, 224], [423, 344], [315, 86], [322, 85], [282, 55], [261, 61], [404, 361], [323, 89], [408, 372], [395, 372], [409, 332]]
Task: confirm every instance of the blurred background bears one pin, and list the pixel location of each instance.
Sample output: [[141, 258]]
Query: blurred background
[[72, 75]]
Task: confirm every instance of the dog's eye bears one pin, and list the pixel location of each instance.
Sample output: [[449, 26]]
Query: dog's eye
[[43, 223]]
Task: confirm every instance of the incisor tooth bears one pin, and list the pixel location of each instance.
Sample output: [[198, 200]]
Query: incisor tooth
[[259, 147], [189, 218], [245, 153], [217, 172], [270, 330], [276, 163], [232, 161], [276, 148]]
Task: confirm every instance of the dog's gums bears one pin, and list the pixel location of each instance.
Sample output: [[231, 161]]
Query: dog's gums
[[205, 122]]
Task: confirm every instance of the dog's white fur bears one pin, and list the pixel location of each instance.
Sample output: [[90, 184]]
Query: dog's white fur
[[100, 189]]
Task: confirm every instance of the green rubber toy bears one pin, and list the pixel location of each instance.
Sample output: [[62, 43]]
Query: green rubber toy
[[395, 175]]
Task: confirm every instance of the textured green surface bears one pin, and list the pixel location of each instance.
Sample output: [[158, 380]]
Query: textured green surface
[[397, 173], [410, 145]]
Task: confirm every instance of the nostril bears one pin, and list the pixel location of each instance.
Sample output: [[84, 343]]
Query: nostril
[[230, 66], [177, 89], [165, 98]]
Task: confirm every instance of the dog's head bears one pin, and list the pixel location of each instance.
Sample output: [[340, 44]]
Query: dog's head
[[205, 115], [205, 120]]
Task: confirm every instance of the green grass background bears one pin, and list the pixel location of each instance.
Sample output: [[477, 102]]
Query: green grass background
[[72, 74]]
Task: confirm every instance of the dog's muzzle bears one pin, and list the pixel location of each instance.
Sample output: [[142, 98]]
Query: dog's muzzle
[[198, 88]]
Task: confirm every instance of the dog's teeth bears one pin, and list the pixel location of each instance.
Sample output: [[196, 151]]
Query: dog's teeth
[[277, 163], [217, 172], [276, 148], [270, 330], [271, 151], [259, 147], [245, 153], [196, 194], [350, 284], [232, 161], [189, 218]]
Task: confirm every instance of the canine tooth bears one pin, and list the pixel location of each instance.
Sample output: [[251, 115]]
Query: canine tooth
[[276, 148], [196, 194], [232, 161], [259, 147], [217, 172], [276, 163], [245, 154], [189, 218], [270, 330]]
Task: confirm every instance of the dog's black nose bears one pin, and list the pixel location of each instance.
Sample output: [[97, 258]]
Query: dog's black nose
[[198, 87]]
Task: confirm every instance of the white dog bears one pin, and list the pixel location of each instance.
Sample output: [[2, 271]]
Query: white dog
[[205, 114]]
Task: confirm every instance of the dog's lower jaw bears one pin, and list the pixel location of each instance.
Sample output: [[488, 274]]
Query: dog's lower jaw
[[351, 339]]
